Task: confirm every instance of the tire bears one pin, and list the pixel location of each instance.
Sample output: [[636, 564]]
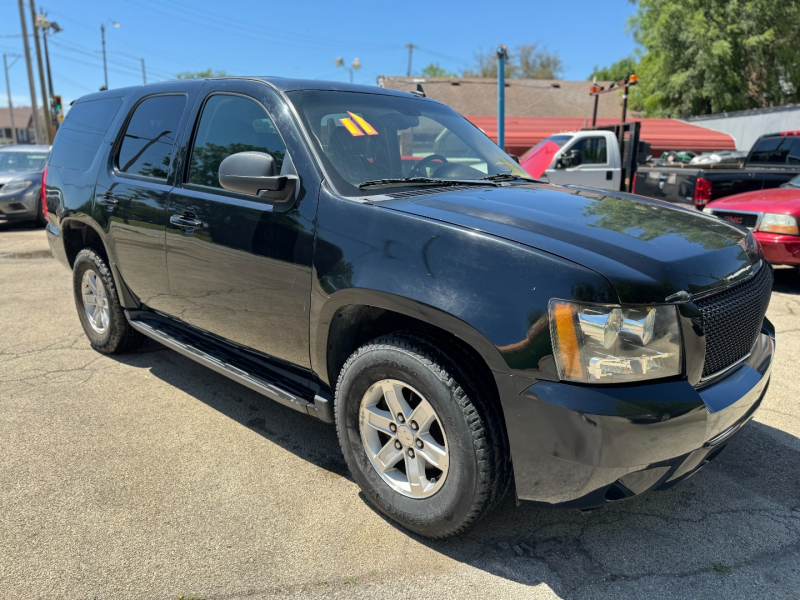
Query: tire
[[41, 221], [469, 430], [109, 332]]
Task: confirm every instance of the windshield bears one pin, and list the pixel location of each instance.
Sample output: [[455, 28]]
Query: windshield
[[22, 161], [369, 137]]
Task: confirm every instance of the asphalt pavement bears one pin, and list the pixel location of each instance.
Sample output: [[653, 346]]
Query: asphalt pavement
[[149, 476]]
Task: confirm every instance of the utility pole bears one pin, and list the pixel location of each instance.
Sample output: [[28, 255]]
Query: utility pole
[[48, 125], [36, 128], [411, 48], [144, 74], [10, 104], [105, 68], [502, 55]]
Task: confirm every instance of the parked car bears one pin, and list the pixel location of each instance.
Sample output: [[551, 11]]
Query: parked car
[[773, 217], [460, 323], [20, 183], [773, 160]]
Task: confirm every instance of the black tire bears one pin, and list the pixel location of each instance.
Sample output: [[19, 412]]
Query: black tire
[[479, 466], [41, 220], [118, 336]]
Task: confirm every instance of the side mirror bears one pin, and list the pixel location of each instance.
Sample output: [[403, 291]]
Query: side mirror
[[515, 158], [253, 173]]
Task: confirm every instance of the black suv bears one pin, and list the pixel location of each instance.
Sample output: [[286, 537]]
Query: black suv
[[370, 258]]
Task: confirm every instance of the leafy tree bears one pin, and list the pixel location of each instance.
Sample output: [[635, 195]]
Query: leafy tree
[[536, 63], [617, 71], [201, 74], [526, 61], [710, 56], [434, 70]]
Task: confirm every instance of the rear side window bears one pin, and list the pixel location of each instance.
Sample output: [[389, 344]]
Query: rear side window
[[147, 145], [766, 151], [231, 124], [82, 132]]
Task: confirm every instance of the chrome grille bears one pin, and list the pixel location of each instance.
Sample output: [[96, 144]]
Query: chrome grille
[[744, 219], [732, 320]]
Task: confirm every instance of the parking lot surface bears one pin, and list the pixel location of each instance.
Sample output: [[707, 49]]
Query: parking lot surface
[[149, 476]]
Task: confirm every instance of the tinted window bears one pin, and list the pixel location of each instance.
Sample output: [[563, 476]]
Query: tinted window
[[231, 124], [766, 151], [592, 151], [146, 148], [793, 153], [80, 135]]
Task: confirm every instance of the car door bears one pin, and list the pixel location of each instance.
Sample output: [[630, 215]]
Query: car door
[[237, 268], [131, 194], [591, 165]]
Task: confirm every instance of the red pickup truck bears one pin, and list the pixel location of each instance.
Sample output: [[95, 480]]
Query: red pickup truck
[[773, 217]]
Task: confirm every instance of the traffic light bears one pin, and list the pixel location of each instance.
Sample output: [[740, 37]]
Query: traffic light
[[57, 102]]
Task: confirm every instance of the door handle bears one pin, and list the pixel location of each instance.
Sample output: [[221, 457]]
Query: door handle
[[186, 222], [108, 200]]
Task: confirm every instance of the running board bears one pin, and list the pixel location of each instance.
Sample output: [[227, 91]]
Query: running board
[[218, 358]]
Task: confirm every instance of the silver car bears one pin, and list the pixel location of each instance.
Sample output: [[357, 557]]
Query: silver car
[[20, 183]]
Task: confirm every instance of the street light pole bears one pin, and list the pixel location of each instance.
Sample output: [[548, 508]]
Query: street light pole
[[10, 104], [144, 74], [48, 125], [31, 83]]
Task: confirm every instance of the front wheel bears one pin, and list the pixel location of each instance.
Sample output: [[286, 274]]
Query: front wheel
[[419, 436]]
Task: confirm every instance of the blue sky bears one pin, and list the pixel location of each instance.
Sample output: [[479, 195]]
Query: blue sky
[[303, 38]]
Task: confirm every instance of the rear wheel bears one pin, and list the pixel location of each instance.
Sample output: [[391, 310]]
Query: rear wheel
[[417, 436], [99, 310]]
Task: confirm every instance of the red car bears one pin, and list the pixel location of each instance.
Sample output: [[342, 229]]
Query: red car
[[773, 216]]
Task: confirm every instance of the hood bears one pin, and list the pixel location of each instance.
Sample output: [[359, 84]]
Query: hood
[[783, 200], [6, 176], [648, 250]]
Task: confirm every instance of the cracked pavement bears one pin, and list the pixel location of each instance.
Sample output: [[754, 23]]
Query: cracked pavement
[[149, 476]]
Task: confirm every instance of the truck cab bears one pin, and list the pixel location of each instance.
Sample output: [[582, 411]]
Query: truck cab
[[589, 158]]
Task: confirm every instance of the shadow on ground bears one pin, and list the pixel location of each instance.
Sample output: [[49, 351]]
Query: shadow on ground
[[740, 515]]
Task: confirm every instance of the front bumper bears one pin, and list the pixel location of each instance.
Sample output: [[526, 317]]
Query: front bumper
[[780, 249], [20, 206], [583, 446]]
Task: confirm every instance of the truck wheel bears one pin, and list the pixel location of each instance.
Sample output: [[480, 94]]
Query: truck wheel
[[99, 310], [417, 437]]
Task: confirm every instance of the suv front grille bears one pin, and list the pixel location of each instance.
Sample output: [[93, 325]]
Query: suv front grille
[[732, 320], [748, 220]]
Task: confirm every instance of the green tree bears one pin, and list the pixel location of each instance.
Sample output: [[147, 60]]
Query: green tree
[[710, 56], [201, 74], [617, 71], [434, 70], [526, 61], [537, 63]]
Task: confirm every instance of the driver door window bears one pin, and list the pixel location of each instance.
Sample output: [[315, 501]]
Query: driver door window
[[592, 151], [231, 124]]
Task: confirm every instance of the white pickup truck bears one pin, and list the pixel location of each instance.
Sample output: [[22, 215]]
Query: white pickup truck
[[590, 157]]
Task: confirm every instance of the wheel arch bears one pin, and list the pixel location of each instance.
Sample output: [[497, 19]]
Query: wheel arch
[[352, 317], [78, 234]]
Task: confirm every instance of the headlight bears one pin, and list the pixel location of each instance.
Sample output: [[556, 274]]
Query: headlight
[[15, 186], [708, 211], [773, 223], [596, 343]]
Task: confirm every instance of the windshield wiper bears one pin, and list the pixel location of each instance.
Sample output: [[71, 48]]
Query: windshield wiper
[[506, 177], [418, 181]]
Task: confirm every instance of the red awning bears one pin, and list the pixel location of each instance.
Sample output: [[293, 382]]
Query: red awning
[[523, 133]]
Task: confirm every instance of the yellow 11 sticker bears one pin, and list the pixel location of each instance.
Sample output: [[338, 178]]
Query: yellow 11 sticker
[[353, 128]]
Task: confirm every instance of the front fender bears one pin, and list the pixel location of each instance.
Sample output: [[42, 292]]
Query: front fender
[[490, 292]]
